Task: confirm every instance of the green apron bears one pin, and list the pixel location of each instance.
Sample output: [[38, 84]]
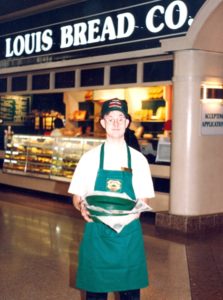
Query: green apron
[[111, 261]]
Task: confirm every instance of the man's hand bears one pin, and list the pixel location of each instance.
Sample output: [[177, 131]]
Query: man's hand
[[85, 212], [79, 205], [77, 202]]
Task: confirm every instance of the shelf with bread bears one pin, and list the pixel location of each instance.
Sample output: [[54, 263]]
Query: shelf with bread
[[15, 158], [148, 115], [87, 118], [14, 166], [46, 157], [151, 118]]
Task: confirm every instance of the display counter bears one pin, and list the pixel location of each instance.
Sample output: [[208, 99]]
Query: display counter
[[47, 164], [45, 157]]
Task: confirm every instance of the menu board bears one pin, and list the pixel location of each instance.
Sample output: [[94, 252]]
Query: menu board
[[14, 109], [7, 109]]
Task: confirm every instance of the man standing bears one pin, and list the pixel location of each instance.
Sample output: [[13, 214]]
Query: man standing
[[111, 261]]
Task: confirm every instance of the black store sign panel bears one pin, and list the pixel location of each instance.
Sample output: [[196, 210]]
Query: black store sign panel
[[94, 31]]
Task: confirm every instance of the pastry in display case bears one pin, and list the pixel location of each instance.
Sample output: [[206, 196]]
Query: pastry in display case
[[67, 153], [28, 155], [46, 157]]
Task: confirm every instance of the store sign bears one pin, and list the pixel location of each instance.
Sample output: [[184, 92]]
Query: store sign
[[134, 27], [212, 119]]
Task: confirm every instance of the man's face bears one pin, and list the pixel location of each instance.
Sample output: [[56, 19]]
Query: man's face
[[115, 124]]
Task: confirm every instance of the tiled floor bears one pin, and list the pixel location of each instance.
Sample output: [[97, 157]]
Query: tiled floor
[[38, 254]]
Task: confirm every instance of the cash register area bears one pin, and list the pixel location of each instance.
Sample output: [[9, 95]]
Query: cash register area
[[39, 239]]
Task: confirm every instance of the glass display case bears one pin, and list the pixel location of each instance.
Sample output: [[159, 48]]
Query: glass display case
[[46, 157], [66, 154], [29, 155]]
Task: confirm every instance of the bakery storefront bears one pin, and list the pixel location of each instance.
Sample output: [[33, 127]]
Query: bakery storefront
[[68, 60]]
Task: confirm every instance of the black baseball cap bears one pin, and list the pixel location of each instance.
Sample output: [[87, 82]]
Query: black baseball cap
[[114, 104]]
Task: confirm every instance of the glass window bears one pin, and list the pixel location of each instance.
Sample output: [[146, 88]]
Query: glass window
[[158, 71], [92, 77], [123, 74], [41, 82], [19, 83], [64, 79], [3, 84]]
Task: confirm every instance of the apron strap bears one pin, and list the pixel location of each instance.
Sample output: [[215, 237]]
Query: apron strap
[[102, 152], [129, 157], [101, 165]]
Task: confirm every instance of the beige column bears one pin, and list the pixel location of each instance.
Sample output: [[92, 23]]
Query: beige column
[[197, 164]]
